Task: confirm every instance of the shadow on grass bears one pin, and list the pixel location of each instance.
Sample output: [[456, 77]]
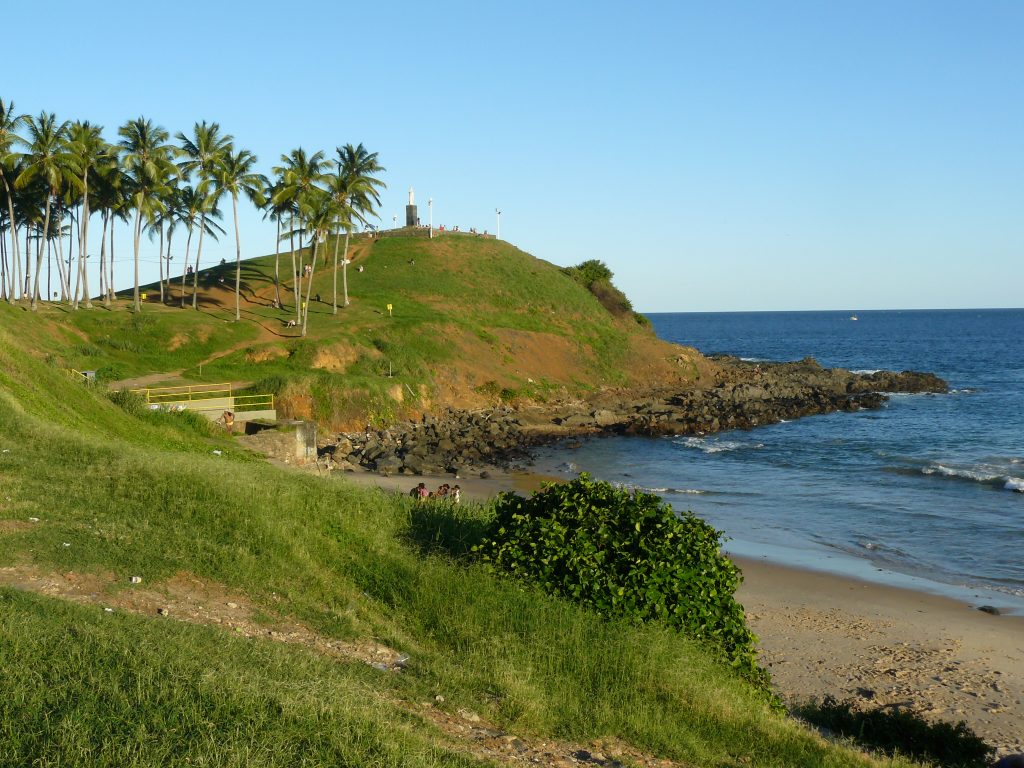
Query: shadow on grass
[[893, 730], [444, 528]]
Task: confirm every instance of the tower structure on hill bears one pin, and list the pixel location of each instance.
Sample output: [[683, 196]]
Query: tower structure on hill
[[411, 219]]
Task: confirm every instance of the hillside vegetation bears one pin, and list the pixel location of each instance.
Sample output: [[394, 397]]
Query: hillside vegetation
[[279, 588], [474, 321]]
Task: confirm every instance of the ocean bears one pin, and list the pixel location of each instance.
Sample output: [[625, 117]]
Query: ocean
[[926, 493]]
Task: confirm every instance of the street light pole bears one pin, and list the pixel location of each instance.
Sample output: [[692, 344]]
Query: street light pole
[[394, 221], [497, 233], [430, 210]]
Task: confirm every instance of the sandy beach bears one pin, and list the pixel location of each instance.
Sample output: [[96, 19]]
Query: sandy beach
[[827, 635]]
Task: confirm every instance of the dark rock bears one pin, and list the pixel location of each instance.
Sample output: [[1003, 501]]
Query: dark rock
[[990, 609]]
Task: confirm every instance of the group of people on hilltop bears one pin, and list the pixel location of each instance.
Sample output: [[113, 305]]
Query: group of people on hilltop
[[444, 492]]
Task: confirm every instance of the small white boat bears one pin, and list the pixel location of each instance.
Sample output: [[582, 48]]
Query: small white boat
[[853, 317]]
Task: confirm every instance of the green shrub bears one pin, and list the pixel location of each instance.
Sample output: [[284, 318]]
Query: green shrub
[[589, 272], [128, 401], [899, 731], [625, 555]]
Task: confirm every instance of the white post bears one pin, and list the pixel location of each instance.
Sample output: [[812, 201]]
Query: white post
[[394, 222], [430, 209], [497, 232]]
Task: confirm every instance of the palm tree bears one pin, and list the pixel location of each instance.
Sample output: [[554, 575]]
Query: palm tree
[[146, 157], [299, 174], [90, 151], [318, 210], [358, 192], [10, 122], [109, 194], [276, 212], [203, 153], [196, 208], [235, 175], [48, 161]]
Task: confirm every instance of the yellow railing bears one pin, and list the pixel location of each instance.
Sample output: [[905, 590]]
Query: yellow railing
[[243, 403], [78, 374], [184, 394]]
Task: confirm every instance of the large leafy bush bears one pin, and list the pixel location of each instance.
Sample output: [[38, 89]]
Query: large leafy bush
[[625, 554]]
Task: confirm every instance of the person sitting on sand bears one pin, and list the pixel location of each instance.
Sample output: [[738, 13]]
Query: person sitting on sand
[[422, 491], [456, 494]]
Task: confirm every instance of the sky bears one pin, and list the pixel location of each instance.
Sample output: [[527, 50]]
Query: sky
[[725, 156]]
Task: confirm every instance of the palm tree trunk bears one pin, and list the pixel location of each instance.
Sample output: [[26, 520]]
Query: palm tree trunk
[[39, 257], [110, 277], [309, 287], [199, 252], [238, 258], [296, 286], [184, 267], [344, 268], [15, 260], [337, 239], [277, 264], [170, 241], [160, 258], [103, 260], [86, 213], [138, 235]]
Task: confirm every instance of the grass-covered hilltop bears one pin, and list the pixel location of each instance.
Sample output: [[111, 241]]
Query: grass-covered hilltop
[[169, 598], [473, 322]]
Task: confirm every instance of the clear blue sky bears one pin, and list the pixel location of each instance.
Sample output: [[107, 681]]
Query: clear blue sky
[[717, 156]]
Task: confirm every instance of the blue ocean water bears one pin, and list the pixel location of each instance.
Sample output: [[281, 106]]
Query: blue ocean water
[[927, 492]]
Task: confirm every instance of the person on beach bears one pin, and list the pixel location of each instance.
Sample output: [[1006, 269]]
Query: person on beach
[[456, 494], [419, 492]]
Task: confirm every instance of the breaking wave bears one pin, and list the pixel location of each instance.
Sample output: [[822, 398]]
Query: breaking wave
[[715, 445]]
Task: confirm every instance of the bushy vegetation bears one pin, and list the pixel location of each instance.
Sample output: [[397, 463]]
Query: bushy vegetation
[[596, 277], [625, 554], [897, 731]]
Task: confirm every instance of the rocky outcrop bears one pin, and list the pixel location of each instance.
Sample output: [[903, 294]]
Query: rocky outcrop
[[749, 395], [454, 441], [745, 396]]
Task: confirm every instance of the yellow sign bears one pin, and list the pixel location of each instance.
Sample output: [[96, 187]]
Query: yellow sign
[[389, 309], [144, 296]]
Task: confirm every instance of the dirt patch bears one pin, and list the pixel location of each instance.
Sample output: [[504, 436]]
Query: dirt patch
[[177, 341], [264, 354], [335, 357], [15, 526], [541, 355]]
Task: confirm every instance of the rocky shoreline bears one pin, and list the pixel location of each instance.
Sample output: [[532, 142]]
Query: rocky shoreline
[[745, 395]]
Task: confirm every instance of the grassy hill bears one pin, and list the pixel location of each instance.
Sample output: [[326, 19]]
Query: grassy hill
[[474, 321], [279, 588]]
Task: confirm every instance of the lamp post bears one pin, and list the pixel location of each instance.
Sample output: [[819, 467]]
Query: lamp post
[[430, 214], [394, 221], [497, 232]]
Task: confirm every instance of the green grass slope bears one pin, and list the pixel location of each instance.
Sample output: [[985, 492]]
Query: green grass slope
[[118, 494], [473, 321]]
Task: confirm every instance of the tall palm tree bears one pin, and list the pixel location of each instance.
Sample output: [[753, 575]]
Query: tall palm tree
[[359, 191], [196, 210], [10, 123], [235, 176], [86, 144], [48, 161], [203, 152], [318, 210], [146, 157], [109, 195], [299, 174], [276, 212]]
